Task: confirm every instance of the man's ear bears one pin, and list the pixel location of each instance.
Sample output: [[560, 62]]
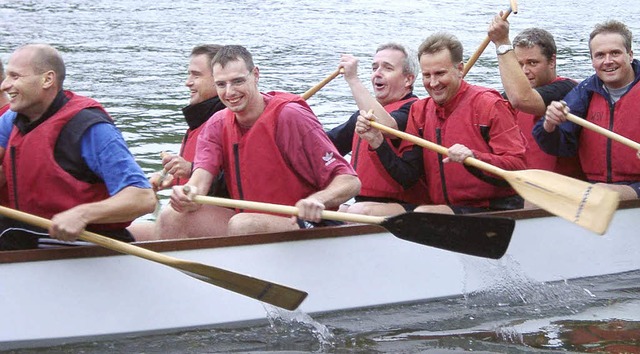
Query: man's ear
[[48, 79], [460, 68], [409, 80]]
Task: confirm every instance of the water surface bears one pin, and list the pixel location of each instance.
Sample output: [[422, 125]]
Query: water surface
[[131, 55]]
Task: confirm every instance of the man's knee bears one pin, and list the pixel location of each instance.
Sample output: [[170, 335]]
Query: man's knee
[[243, 224]]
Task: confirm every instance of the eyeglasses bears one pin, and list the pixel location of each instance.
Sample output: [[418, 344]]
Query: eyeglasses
[[235, 83]]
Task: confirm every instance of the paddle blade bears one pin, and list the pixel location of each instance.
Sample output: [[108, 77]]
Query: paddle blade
[[585, 204], [270, 293], [482, 236]]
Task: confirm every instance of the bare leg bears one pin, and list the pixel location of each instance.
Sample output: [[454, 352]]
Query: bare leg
[[253, 223], [376, 209], [440, 209], [207, 221], [143, 230]]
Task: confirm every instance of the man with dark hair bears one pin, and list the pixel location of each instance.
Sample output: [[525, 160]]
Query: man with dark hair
[[611, 99], [91, 181], [393, 74], [271, 147], [203, 103], [471, 121], [530, 81]]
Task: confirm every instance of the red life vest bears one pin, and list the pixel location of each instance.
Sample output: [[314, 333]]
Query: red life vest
[[188, 149], [253, 163], [462, 125], [376, 182], [602, 159], [41, 187], [538, 159], [4, 194]]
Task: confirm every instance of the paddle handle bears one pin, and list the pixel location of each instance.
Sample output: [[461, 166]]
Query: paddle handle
[[285, 209], [606, 132], [100, 240], [472, 60], [471, 161], [320, 85]]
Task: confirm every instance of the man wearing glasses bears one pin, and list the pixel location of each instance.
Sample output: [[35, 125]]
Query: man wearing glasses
[[271, 147]]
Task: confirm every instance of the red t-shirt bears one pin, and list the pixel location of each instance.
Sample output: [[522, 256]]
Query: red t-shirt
[[300, 138]]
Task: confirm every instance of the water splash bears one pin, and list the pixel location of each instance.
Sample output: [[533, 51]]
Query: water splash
[[506, 284], [297, 324]]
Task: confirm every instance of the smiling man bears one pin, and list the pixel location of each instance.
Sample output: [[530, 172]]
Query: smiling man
[[393, 73], [610, 99], [471, 121], [271, 148], [203, 103], [65, 160], [528, 74]]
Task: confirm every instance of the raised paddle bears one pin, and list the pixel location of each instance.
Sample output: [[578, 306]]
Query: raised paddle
[[585, 204], [482, 236], [472, 60], [606, 132], [271, 293], [310, 92]]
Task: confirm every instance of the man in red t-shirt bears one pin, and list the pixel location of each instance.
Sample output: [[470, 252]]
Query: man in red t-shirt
[[271, 147]]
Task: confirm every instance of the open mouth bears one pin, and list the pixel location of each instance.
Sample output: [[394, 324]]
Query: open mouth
[[233, 101]]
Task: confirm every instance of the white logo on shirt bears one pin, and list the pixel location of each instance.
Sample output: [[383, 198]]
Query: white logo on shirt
[[328, 158]]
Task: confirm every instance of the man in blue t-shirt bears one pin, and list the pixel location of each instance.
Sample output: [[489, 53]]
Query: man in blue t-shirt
[[91, 180]]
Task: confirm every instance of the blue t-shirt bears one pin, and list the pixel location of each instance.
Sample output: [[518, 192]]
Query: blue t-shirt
[[6, 124], [105, 152]]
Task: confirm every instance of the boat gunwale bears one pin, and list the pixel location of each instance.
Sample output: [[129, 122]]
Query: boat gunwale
[[44, 254]]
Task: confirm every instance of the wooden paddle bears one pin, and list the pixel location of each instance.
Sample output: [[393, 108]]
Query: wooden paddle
[[271, 293], [606, 132], [320, 85], [482, 236], [585, 204], [472, 60]]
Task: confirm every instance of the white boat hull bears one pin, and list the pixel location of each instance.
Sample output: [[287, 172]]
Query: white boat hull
[[66, 299]]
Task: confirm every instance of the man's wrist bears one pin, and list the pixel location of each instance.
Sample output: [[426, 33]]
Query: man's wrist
[[548, 127], [503, 49], [376, 142]]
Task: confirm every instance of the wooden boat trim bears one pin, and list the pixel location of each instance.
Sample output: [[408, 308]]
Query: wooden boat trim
[[229, 241]]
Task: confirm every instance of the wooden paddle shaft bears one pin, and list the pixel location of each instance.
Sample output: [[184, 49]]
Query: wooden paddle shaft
[[472, 60], [100, 240], [440, 149], [514, 6], [259, 289], [587, 205], [284, 209], [606, 132], [320, 85]]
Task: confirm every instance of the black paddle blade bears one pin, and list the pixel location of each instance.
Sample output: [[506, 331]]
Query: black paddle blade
[[482, 236]]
